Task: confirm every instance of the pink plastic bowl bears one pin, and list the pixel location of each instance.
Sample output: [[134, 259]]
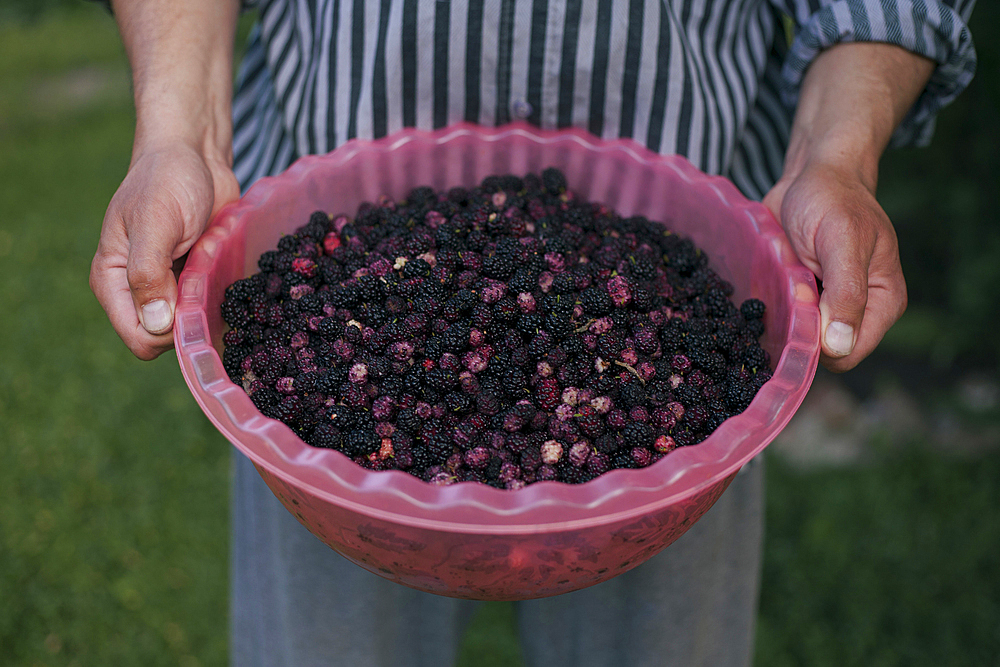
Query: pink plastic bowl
[[470, 540]]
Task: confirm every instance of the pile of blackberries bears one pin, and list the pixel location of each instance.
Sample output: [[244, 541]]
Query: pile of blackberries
[[505, 334]]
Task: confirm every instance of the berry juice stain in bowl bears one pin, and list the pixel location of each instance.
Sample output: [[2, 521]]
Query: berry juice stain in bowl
[[504, 334]]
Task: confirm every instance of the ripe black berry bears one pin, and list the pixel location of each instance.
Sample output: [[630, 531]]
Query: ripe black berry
[[752, 309]]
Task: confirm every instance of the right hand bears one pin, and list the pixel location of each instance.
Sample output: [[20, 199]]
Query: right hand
[[839, 231], [157, 214]]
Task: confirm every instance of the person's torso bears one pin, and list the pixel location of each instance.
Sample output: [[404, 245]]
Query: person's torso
[[679, 77]]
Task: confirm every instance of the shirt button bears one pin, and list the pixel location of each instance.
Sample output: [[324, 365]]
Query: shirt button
[[521, 109]]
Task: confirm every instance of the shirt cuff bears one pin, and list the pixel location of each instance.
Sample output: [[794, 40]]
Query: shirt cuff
[[925, 27]]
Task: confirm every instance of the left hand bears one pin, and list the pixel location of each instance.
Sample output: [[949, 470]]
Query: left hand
[[839, 231]]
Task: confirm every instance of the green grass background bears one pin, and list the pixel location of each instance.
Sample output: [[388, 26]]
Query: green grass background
[[114, 487]]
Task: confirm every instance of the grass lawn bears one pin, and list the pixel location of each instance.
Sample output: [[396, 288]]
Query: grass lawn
[[114, 487]]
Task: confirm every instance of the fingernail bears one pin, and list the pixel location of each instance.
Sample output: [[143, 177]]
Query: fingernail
[[840, 338], [156, 316]]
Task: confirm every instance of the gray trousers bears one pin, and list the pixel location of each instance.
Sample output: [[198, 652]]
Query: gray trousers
[[296, 603]]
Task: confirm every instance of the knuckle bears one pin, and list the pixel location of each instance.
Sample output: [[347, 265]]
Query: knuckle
[[142, 276], [853, 292], [98, 275]]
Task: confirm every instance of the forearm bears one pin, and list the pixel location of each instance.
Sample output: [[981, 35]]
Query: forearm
[[181, 53], [852, 98]]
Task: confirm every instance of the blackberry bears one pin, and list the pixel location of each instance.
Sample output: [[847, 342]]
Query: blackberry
[[232, 359], [326, 435], [755, 328], [498, 266], [510, 183], [564, 283], [516, 383], [437, 438], [712, 363], [345, 295], [317, 227], [287, 410], [530, 323], [553, 181], [413, 382], [506, 310], [370, 289], [725, 337], [488, 403], [391, 386], [631, 395], [548, 393], [572, 345], [408, 421], [571, 474], [754, 357], [683, 258], [752, 309], [421, 458], [243, 289], [492, 470], [330, 328], [622, 459], [688, 394], [590, 422], [642, 300], [440, 379], [558, 325], [685, 437], [458, 402], [717, 304], [638, 434], [610, 344], [641, 266], [540, 344], [234, 313], [738, 396], [451, 310], [523, 280], [456, 338], [265, 399], [289, 243], [607, 443], [672, 339], [699, 342]]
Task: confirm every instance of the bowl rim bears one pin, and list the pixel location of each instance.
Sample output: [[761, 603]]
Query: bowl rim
[[399, 497]]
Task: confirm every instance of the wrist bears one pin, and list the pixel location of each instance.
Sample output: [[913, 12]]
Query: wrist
[[852, 99], [204, 126], [842, 152]]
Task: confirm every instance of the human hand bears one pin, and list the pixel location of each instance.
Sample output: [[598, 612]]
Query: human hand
[[839, 231], [181, 56], [158, 212], [851, 100]]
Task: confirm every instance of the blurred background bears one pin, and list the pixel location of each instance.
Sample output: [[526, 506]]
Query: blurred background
[[883, 514]]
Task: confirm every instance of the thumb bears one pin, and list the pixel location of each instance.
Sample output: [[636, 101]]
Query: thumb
[[845, 294], [152, 283]]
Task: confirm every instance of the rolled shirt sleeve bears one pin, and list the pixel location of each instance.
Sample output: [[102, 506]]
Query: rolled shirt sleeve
[[935, 29]]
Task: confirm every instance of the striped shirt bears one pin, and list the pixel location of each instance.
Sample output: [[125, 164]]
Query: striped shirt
[[713, 80]]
